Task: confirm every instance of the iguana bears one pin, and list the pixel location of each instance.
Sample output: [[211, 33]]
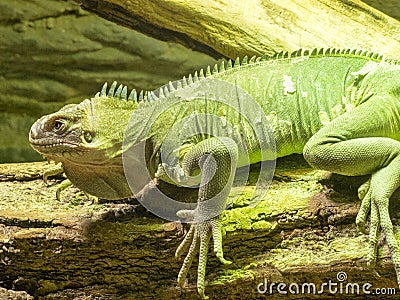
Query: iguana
[[340, 108]]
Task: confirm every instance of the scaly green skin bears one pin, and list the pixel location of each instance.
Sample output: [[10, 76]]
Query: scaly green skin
[[340, 108]]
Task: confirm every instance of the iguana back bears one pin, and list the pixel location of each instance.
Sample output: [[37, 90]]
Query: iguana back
[[302, 92]]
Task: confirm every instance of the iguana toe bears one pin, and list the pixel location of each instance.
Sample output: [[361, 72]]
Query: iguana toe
[[204, 233], [387, 227], [363, 189], [185, 244], [61, 187], [364, 208], [217, 237], [187, 262], [197, 240], [373, 239]]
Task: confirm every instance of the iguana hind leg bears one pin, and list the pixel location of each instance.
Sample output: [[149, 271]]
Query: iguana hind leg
[[384, 181], [364, 141]]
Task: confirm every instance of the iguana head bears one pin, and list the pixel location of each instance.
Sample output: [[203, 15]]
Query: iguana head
[[87, 138], [89, 133]]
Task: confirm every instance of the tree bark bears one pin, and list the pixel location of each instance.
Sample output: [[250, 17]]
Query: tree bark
[[233, 28]]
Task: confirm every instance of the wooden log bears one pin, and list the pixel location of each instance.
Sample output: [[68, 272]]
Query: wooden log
[[232, 28], [302, 232]]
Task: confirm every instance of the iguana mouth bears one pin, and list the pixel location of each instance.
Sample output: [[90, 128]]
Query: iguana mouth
[[53, 146], [46, 143]]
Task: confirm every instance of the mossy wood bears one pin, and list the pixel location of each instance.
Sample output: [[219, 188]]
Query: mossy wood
[[253, 27], [303, 231]]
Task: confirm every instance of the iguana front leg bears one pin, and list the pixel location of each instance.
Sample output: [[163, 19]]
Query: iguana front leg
[[217, 159], [364, 141], [56, 170]]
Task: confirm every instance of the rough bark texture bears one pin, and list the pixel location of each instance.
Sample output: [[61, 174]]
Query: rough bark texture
[[302, 232], [236, 28]]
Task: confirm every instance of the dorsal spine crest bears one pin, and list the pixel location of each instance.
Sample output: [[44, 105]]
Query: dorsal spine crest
[[122, 91]]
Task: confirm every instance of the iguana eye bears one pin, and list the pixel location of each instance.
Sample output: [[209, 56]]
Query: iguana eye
[[58, 126], [88, 137]]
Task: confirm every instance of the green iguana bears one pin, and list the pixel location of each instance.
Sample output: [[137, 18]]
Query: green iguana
[[340, 108]]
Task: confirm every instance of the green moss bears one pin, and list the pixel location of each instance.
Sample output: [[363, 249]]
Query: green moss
[[228, 276], [281, 198], [77, 199]]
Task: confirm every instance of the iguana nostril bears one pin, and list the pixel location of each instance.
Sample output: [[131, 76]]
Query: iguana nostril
[[33, 133]]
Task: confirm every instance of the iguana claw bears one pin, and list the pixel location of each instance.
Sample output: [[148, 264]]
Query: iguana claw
[[197, 240]]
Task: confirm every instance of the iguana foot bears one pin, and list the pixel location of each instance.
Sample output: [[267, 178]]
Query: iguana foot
[[197, 240], [57, 170], [376, 200], [364, 193]]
